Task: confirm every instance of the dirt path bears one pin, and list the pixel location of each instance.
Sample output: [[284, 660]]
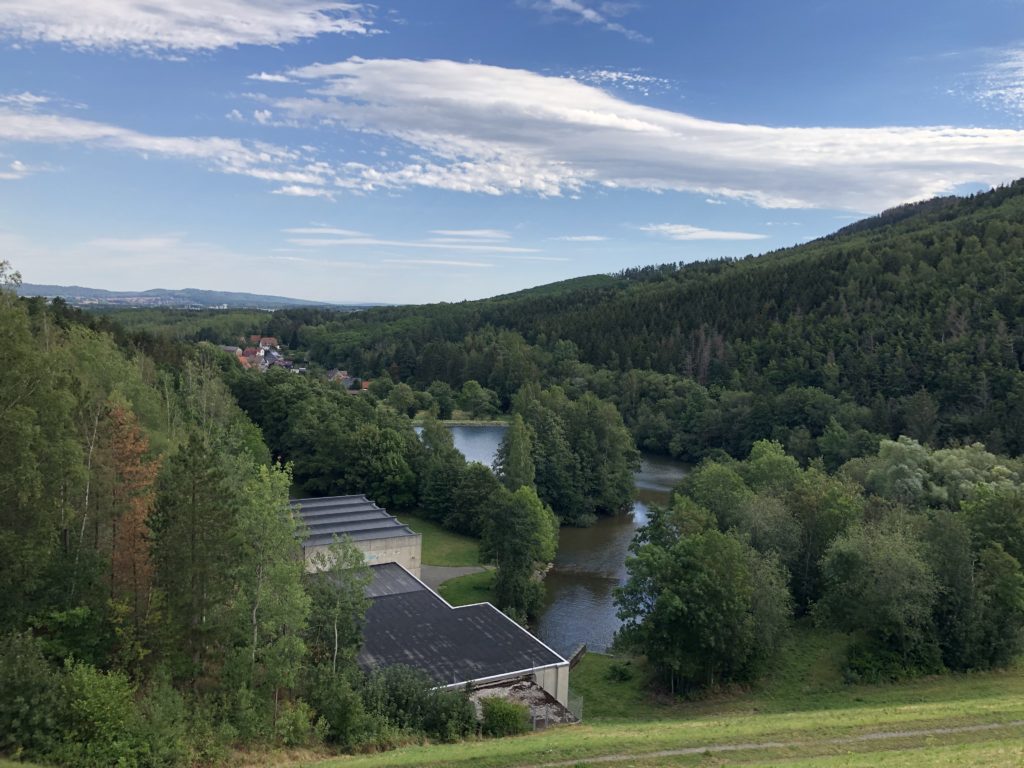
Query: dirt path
[[436, 575], [766, 745]]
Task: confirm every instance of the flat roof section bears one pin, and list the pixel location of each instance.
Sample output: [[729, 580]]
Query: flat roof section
[[407, 623], [354, 516]]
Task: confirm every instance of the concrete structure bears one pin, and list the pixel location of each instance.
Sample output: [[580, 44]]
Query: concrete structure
[[381, 537], [469, 646]]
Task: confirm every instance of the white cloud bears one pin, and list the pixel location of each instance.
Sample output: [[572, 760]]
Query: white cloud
[[299, 173], [24, 100], [375, 241], [15, 170], [581, 12], [262, 116], [155, 26], [581, 238], [269, 78], [626, 80], [1002, 82], [472, 234], [324, 231], [690, 232], [491, 130], [298, 190], [437, 263]]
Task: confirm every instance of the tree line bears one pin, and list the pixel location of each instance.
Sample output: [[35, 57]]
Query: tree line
[[915, 554]]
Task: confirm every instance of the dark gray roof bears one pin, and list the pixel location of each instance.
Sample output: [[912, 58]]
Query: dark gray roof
[[407, 623], [355, 516]]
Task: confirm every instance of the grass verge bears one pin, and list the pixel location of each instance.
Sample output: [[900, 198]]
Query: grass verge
[[466, 590], [440, 546]]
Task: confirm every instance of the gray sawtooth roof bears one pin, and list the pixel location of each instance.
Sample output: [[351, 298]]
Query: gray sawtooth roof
[[354, 516], [407, 623]]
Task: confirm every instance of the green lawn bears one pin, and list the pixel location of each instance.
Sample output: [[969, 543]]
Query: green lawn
[[441, 547], [466, 590]]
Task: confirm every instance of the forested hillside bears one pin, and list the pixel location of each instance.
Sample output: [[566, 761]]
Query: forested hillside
[[906, 323]]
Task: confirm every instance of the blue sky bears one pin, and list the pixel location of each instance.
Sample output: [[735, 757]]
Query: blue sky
[[421, 151]]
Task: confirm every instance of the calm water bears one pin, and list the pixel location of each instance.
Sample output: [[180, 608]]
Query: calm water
[[591, 561]]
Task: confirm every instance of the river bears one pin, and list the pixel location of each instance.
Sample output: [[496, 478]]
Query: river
[[591, 562]]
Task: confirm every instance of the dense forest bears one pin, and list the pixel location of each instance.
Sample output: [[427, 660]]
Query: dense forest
[[906, 323]]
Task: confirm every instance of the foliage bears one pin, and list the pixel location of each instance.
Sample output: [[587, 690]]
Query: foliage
[[702, 605], [102, 726], [521, 537], [502, 717], [877, 583], [31, 707]]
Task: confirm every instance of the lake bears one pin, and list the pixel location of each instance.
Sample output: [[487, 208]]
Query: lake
[[591, 562]]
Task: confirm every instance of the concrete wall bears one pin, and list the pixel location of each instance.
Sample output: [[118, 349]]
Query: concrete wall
[[555, 680], [404, 550]]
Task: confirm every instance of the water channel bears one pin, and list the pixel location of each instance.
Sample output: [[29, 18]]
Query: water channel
[[590, 561]]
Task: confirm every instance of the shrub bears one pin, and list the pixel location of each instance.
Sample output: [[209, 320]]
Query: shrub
[[165, 727], [503, 718], [338, 701], [103, 727], [451, 716], [297, 725], [399, 695], [30, 706], [619, 672]]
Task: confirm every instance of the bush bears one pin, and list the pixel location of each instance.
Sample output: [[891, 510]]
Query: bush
[[400, 696], [30, 706], [451, 716], [297, 725], [165, 728], [503, 718], [103, 727], [337, 698], [619, 672]]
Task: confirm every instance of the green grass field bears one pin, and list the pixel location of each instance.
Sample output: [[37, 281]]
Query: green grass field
[[466, 590], [441, 547], [800, 714]]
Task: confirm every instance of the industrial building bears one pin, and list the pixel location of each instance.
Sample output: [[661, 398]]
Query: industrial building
[[381, 536], [465, 646]]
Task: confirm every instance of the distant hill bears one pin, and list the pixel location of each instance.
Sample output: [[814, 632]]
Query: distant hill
[[186, 298]]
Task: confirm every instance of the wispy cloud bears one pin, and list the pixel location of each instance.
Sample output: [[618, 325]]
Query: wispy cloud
[[297, 172], [627, 80], [324, 231], [24, 100], [159, 26], [473, 234], [690, 232], [492, 130], [579, 11], [15, 170], [438, 263], [325, 242], [1002, 82], [581, 238], [269, 78]]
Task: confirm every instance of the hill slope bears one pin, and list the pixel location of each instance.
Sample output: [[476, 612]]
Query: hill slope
[[916, 314], [162, 297]]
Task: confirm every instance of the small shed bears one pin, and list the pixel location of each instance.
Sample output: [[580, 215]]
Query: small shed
[[380, 535]]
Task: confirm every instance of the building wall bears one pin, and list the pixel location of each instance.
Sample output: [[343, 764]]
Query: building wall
[[404, 550], [555, 680]]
